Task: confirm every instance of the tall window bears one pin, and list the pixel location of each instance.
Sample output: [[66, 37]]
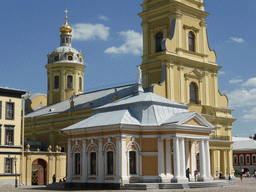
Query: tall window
[[56, 82], [0, 109], [9, 135], [235, 160], [193, 93], [70, 82], [80, 83], [254, 159], [93, 163], [159, 38], [241, 159], [110, 163], [191, 41], [77, 164], [9, 110], [247, 159], [132, 161], [8, 168]]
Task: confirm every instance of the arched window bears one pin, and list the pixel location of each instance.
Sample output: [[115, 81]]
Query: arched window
[[80, 83], [193, 90], [77, 164], [241, 159], [159, 38], [191, 41], [247, 159], [70, 82], [235, 160], [110, 163], [132, 162], [93, 163], [56, 82], [253, 159]]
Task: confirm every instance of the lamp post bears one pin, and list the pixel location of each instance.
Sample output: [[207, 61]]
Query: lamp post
[[15, 161]]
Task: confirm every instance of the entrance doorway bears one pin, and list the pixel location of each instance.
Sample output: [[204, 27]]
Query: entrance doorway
[[39, 172]]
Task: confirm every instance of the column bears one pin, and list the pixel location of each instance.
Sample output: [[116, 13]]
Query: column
[[62, 85], [76, 82], [207, 159], [50, 170], [152, 40], [182, 92], [168, 158], [200, 91], [117, 157], [176, 157], [170, 80], [187, 89], [160, 158], [144, 26], [168, 87], [229, 161], [202, 158], [216, 91], [100, 162], [187, 164], [193, 157], [124, 161], [223, 165], [213, 162], [29, 169], [179, 30], [84, 162], [206, 88], [69, 159], [182, 158]]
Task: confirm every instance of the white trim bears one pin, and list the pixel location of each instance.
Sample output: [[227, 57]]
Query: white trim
[[106, 161], [137, 151]]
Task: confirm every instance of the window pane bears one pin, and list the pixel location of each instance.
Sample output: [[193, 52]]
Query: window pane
[[247, 159], [159, 38], [132, 156], [70, 82], [9, 135], [93, 163], [191, 41], [77, 164], [80, 83], [193, 93], [253, 159], [110, 163], [9, 110], [56, 82], [8, 165]]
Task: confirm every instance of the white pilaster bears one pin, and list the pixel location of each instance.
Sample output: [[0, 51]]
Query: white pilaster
[[100, 162], [160, 158], [182, 158], [124, 161], [187, 164], [168, 158], [207, 159], [193, 158], [84, 162], [69, 170], [202, 159], [176, 157]]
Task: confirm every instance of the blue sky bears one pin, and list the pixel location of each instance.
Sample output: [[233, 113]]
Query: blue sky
[[30, 29]]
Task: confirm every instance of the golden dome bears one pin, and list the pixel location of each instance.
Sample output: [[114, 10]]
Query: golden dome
[[66, 29]]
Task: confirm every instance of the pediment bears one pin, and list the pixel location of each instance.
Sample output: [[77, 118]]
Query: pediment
[[193, 122], [194, 73]]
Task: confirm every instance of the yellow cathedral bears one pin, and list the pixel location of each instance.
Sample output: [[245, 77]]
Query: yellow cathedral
[[177, 64]]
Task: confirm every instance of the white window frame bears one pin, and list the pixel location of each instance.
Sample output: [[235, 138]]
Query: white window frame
[[106, 160], [74, 167], [89, 163], [137, 150]]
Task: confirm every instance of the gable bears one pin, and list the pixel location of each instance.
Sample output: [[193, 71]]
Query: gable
[[194, 73], [193, 122]]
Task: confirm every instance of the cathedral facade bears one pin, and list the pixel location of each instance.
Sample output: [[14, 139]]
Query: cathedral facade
[[177, 64]]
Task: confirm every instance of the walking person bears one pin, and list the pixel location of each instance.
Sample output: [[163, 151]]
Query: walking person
[[241, 177], [54, 178], [187, 174], [195, 173]]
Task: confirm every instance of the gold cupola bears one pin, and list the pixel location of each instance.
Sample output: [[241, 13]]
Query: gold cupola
[[66, 29]]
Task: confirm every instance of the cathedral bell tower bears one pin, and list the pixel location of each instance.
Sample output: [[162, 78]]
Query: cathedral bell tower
[[65, 69]]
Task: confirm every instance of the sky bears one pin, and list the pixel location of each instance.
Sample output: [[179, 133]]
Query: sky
[[110, 37]]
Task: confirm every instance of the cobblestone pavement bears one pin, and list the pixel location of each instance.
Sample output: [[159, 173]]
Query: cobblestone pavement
[[248, 185]]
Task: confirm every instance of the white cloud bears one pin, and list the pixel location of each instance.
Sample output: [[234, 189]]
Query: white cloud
[[88, 31], [250, 82], [132, 45], [102, 17], [241, 98], [236, 80], [221, 72], [237, 40]]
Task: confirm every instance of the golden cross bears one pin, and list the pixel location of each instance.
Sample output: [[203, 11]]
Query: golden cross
[[66, 11]]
